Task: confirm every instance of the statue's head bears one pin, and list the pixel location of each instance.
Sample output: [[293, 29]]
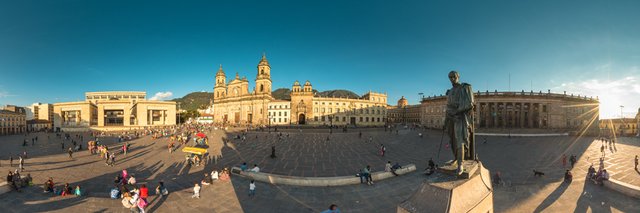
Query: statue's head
[[454, 77]]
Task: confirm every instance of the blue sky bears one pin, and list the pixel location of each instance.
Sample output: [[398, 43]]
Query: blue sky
[[54, 51]]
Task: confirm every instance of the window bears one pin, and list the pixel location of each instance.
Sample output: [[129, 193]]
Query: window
[[344, 119], [285, 120], [315, 118], [322, 118], [323, 110], [279, 119], [378, 119], [285, 114], [315, 110], [360, 119], [279, 113], [330, 110], [367, 119]]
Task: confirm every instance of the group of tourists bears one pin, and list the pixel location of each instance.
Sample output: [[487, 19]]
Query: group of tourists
[[134, 197], [16, 181]]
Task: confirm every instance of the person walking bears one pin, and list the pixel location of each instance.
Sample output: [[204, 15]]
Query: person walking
[[252, 188], [70, 151], [636, 161], [11, 160], [21, 164], [125, 147], [602, 150], [382, 150], [564, 160]]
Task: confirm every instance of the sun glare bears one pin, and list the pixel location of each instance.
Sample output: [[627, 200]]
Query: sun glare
[[609, 105]]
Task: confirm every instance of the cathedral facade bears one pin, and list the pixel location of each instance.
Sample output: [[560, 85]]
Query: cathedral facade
[[234, 103]]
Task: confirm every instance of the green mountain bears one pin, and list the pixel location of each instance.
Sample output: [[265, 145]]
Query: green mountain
[[339, 93], [282, 94], [201, 100], [194, 100]]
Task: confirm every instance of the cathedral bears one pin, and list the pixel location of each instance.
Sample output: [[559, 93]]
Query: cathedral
[[234, 103]]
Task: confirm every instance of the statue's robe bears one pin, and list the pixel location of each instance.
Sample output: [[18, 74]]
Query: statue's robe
[[459, 119]]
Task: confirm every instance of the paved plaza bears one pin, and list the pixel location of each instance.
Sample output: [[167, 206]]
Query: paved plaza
[[316, 153]]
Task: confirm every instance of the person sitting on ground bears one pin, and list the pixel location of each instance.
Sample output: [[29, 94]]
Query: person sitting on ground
[[244, 167], [144, 191], [568, 177], [161, 190], [27, 181], [255, 168], [224, 175], [591, 173], [214, 174], [48, 186], [132, 180], [66, 190], [206, 180], [126, 202], [78, 192], [603, 176], [395, 167]]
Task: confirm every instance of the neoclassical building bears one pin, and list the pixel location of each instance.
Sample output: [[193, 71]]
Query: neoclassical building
[[114, 109], [12, 120], [404, 113], [234, 103], [523, 110]]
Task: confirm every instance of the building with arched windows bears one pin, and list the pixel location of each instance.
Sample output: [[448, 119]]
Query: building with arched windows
[[522, 110], [404, 113], [234, 103]]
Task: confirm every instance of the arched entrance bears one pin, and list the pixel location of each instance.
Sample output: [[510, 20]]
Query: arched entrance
[[301, 119]]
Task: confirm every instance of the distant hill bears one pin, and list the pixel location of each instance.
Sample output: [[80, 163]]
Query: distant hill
[[200, 100], [282, 94], [339, 93], [194, 100]]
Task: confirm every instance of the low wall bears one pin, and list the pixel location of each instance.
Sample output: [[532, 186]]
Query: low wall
[[622, 187], [4, 187], [318, 181], [523, 135]]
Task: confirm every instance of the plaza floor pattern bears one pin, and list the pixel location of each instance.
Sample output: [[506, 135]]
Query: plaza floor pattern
[[309, 153]]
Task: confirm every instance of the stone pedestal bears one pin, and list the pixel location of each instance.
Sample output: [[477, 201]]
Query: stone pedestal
[[443, 192]]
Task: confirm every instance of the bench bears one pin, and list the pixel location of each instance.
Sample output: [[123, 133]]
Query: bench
[[318, 181]]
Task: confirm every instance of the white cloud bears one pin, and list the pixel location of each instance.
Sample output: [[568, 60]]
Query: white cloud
[[613, 93], [162, 96]]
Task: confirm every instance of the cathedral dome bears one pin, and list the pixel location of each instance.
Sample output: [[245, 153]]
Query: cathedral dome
[[402, 102]]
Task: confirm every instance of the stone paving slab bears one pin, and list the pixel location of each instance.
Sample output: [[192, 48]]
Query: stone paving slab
[[308, 153]]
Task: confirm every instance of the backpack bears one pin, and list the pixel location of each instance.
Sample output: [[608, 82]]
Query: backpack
[[115, 193]]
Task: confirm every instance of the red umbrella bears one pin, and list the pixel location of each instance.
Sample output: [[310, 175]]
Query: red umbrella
[[201, 135]]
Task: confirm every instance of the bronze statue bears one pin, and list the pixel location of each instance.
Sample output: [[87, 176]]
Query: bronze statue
[[459, 121]]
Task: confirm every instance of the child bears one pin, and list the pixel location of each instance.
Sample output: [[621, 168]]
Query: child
[[252, 188], [196, 191]]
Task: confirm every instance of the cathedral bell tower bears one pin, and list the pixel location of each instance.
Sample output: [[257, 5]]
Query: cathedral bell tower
[[263, 79], [220, 88]]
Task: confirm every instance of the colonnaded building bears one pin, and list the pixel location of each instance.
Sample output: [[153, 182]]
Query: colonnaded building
[[234, 103], [114, 109], [521, 110], [404, 113]]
